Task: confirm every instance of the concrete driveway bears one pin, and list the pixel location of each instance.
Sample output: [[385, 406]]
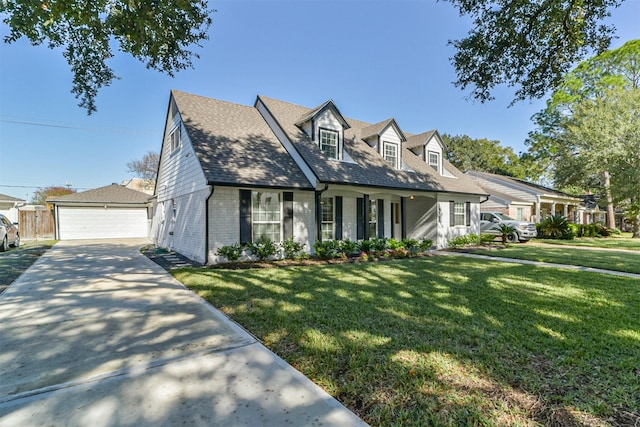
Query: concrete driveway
[[96, 334]]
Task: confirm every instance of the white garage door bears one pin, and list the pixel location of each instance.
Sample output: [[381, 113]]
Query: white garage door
[[101, 223]]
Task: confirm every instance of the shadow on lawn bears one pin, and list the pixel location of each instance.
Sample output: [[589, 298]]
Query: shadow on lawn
[[432, 341]]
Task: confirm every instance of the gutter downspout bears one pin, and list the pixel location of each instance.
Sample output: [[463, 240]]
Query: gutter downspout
[[319, 212], [485, 200], [206, 224]]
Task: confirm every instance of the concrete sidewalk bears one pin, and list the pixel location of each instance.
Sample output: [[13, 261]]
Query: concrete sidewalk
[[540, 264], [94, 333]]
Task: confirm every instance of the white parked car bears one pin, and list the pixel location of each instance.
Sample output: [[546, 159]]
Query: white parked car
[[523, 231], [9, 234]]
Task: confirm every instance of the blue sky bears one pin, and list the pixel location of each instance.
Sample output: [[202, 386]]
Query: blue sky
[[375, 59]]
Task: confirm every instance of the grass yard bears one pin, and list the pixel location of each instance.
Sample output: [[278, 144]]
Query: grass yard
[[608, 260], [622, 241], [448, 340], [16, 260]]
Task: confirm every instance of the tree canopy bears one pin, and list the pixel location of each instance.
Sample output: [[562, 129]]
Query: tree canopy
[[588, 133], [147, 167], [484, 155], [159, 33], [527, 44], [39, 196]]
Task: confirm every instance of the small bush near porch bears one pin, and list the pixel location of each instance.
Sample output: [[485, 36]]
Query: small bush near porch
[[447, 340]]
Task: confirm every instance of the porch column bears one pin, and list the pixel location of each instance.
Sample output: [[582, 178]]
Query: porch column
[[538, 219], [553, 208], [403, 217], [566, 211]]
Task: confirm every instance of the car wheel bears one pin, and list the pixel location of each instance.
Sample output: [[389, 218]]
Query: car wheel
[[16, 243], [513, 237], [4, 246]]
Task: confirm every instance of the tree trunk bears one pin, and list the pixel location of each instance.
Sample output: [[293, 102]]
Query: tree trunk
[[611, 214], [636, 227]]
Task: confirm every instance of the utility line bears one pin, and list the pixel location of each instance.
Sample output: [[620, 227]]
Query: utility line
[[109, 130]]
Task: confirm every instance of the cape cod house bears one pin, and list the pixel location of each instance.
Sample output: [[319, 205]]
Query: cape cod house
[[232, 173]]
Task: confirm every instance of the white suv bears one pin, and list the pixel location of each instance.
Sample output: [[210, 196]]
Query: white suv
[[9, 234]]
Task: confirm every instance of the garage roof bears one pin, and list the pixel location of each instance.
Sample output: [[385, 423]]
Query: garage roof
[[110, 194]]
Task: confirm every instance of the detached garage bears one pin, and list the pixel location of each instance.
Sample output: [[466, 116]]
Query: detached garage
[[111, 212]]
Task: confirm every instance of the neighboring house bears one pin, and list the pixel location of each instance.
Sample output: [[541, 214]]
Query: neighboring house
[[140, 184], [113, 211], [9, 206], [232, 173], [516, 197]]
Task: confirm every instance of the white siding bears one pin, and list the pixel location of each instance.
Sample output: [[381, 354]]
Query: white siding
[[181, 181], [433, 145], [180, 171], [390, 135]]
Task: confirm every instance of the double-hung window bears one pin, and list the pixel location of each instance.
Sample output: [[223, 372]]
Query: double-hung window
[[391, 154], [329, 143], [459, 210], [328, 219], [265, 214], [176, 138], [434, 160]]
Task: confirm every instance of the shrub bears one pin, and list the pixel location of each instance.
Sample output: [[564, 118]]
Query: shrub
[[349, 247], [263, 249], [378, 244], [291, 248], [425, 244], [231, 252], [486, 238], [365, 246], [328, 249], [395, 244], [412, 245], [556, 227]]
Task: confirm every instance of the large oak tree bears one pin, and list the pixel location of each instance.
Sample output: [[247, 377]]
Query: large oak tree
[[588, 132], [159, 33]]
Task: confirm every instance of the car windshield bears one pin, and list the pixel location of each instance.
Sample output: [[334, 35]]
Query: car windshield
[[503, 216]]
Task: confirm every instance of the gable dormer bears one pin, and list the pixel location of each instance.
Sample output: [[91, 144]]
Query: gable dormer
[[325, 125], [386, 138], [430, 147]]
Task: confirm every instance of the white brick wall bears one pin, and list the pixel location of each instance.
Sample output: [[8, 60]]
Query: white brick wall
[[224, 219]]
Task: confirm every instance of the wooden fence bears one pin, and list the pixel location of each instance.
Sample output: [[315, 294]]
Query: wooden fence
[[36, 224]]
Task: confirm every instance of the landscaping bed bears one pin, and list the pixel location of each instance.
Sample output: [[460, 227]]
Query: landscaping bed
[[16, 260]]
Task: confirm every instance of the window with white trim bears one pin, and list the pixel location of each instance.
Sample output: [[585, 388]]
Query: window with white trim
[[265, 216], [434, 160], [328, 218], [391, 154], [459, 211], [373, 218], [176, 138], [329, 143], [520, 214]]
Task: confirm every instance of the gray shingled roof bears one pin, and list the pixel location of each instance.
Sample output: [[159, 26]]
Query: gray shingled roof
[[414, 141], [378, 128], [369, 168], [5, 198], [539, 189], [110, 194], [234, 144]]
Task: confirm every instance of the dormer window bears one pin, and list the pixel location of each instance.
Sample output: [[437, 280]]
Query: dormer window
[[434, 160], [329, 143], [391, 154]]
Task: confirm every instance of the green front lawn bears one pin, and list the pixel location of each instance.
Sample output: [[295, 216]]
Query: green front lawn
[[608, 260], [622, 241], [447, 340]]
